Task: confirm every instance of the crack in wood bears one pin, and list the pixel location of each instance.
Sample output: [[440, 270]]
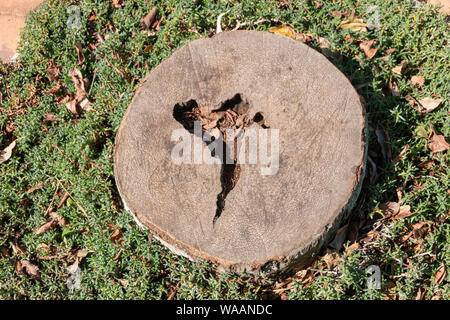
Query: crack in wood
[[232, 114]]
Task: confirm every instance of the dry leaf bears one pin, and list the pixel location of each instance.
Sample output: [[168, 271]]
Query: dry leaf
[[7, 152], [53, 71], [354, 24], [405, 211], [63, 200], [429, 104], [117, 256], [82, 253], [80, 55], [353, 247], [393, 88], [58, 219], [284, 30], [336, 13], [390, 50], [440, 275], [31, 269], [401, 154], [390, 208], [419, 229], [117, 235], [418, 80], [73, 267], [45, 227], [385, 58], [317, 4], [420, 294], [398, 69], [149, 19], [332, 259], [78, 82], [437, 142], [123, 282], [348, 38], [305, 37], [72, 106], [324, 45], [80, 95], [412, 102], [50, 117], [39, 186], [4, 251], [366, 47], [117, 3]]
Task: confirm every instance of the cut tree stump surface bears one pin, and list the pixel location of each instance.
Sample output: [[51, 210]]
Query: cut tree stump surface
[[270, 223]]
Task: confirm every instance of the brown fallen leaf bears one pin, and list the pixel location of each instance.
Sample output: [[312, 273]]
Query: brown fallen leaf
[[405, 211], [31, 269], [284, 30], [116, 236], [348, 38], [390, 50], [80, 99], [418, 80], [441, 274], [50, 117], [353, 247], [420, 294], [419, 229], [429, 104], [437, 142], [366, 47], [72, 269], [117, 3], [332, 259], [58, 219], [4, 251], [117, 256], [37, 187], [390, 208], [393, 88], [149, 19], [401, 154], [325, 47], [78, 82], [7, 152], [305, 37], [398, 69], [45, 227], [53, 71], [80, 55], [426, 164], [63, 200], [337, 13], [123, 282], [54, 89], [317, 4], [412, 102]]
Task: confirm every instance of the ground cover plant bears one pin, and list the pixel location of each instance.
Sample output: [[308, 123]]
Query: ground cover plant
[[64, 233]]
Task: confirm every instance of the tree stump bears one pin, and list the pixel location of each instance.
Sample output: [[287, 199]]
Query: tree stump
[[267, 223]]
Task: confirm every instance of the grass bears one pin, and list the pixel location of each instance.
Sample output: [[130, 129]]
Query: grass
[[74, 155]]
